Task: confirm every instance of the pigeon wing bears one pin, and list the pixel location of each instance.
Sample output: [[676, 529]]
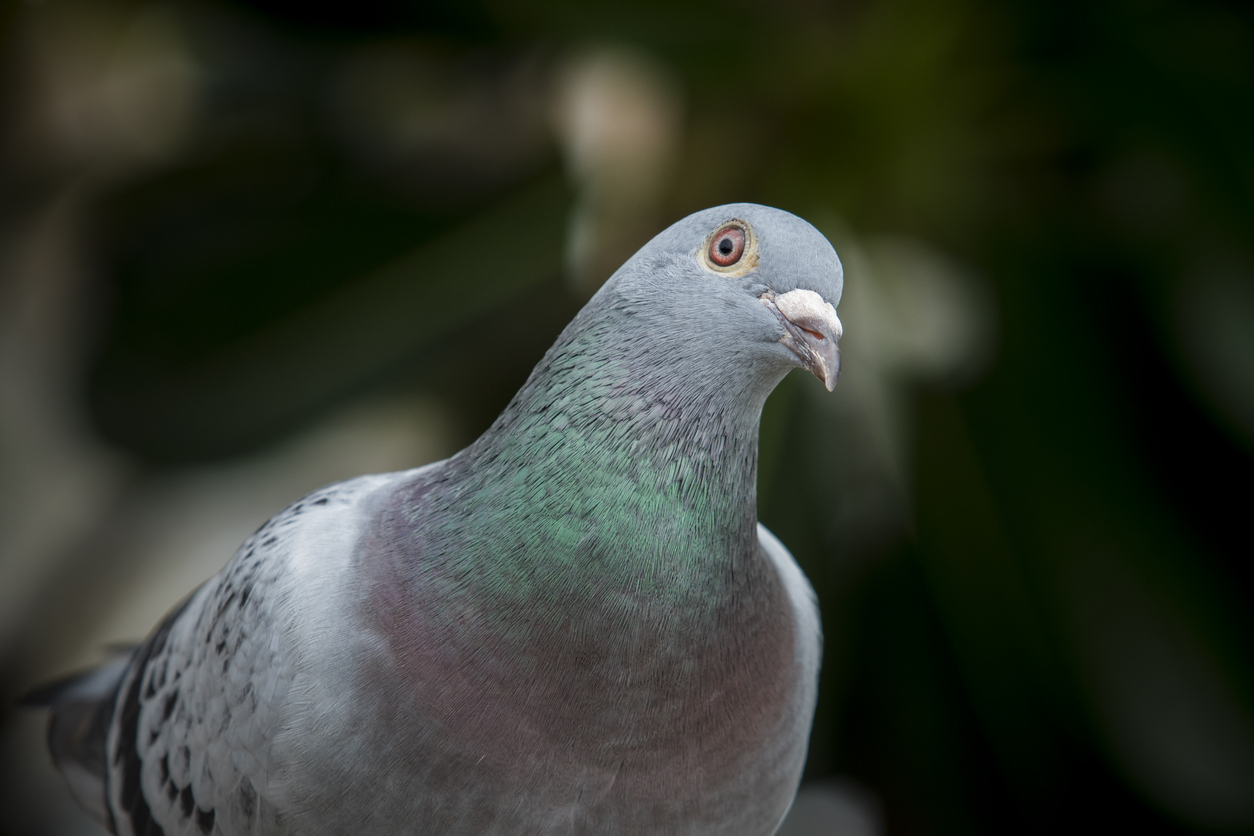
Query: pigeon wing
[[190, 743]]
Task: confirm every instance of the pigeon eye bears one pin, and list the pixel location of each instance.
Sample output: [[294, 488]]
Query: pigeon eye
[[727, 246]]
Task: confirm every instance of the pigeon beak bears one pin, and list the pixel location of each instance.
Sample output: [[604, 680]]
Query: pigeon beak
[[811, 329]]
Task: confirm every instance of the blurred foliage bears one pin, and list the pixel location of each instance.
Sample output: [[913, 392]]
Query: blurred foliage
[[1044, 622]]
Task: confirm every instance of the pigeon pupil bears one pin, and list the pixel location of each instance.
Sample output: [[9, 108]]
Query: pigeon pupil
[[725, 246]]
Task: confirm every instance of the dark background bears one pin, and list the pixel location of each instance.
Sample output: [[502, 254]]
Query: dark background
[[247, 248]]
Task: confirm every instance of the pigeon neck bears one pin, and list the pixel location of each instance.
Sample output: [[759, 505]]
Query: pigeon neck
[[652, 430], [624, 459]]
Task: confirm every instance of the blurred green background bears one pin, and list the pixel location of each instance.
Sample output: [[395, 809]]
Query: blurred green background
[[247, 248]]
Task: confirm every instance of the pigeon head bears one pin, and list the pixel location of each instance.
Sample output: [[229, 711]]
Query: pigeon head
[[743, 287], [662, 377]]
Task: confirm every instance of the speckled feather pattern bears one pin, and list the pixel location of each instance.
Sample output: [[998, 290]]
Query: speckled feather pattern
[[575, 625], [190, 750]]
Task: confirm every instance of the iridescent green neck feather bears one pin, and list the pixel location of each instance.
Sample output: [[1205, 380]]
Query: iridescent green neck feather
[[628, 461]]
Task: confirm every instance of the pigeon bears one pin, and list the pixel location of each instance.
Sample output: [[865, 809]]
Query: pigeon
[[574, 625]]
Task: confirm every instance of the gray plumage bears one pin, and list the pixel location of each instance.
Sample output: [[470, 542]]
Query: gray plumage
[[575, 625]]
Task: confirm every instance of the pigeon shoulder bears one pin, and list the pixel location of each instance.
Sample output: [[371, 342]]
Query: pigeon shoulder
[[189, 749]]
